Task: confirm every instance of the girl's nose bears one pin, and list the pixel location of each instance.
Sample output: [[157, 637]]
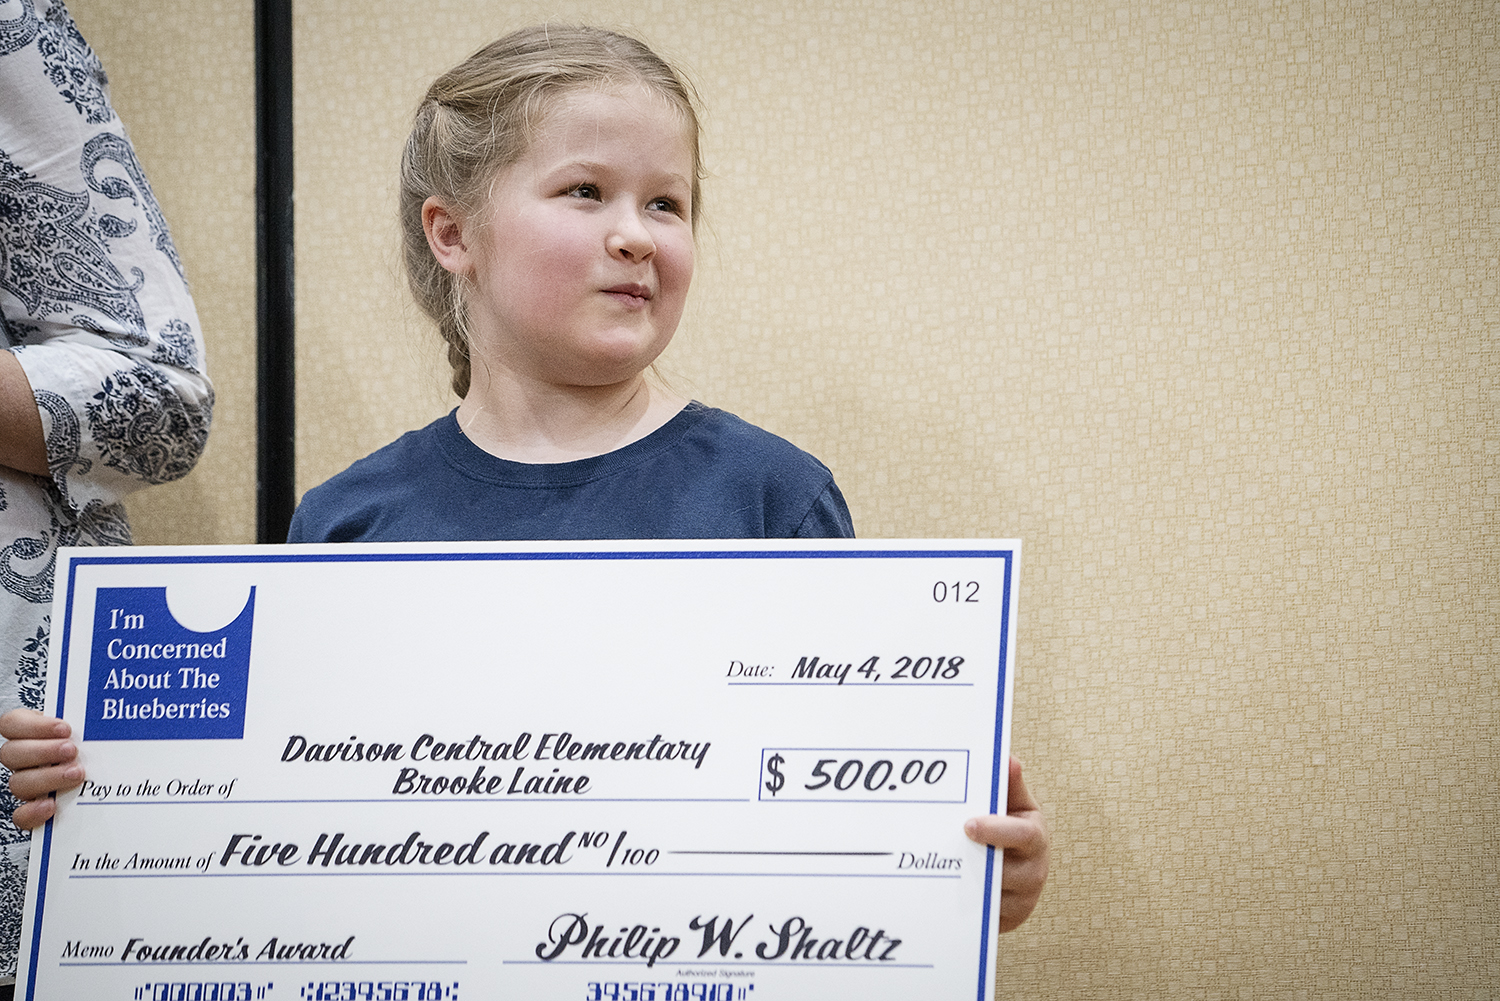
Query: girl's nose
[[629, 238]]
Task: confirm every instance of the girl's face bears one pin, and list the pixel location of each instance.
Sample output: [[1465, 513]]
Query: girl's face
[[583, 261]]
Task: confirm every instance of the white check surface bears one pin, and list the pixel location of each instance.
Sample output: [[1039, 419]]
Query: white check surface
[[562, 770]]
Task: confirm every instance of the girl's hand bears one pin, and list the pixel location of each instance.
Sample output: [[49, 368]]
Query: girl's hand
[[42, 761], [1022, 833]]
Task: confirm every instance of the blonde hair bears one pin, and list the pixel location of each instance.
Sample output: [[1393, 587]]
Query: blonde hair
[[479, 118]]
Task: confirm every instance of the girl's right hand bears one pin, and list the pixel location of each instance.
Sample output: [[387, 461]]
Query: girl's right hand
[[42, 761]]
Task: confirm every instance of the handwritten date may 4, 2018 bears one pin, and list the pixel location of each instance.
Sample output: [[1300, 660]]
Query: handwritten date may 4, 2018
[[907, 669]]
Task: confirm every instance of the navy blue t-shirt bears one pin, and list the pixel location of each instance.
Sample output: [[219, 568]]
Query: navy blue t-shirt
[[705, 474]]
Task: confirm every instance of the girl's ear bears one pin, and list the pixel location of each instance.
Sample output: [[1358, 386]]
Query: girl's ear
[[445, 235]]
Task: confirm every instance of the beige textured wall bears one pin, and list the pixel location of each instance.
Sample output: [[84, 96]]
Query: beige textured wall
[[1198, 299]]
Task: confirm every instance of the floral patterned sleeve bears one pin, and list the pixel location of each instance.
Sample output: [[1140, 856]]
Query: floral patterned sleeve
[[95, 309], [92, 292]]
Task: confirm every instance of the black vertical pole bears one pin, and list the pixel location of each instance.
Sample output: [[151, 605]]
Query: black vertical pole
[[275, 468]]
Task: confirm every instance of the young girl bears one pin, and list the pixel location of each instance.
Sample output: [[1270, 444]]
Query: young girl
[[550, 188]]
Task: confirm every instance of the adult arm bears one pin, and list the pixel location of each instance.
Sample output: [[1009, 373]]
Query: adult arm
[[23, 445], [105, 357], [103, 388]]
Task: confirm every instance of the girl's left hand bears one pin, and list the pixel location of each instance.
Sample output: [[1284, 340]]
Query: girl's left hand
[[42, 760], [1022, 833]]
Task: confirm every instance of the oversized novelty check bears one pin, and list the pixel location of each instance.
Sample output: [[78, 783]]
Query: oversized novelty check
[[645, 771]]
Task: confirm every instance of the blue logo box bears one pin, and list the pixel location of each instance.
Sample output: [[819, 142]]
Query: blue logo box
[[152, 679]]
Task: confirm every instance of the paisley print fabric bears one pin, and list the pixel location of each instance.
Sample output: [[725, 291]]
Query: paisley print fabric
[[107, 146], [18, 26], [54, 254], [96, 310], [142, 430], [72, 66]]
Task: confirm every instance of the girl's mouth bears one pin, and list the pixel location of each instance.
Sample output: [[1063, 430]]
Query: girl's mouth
[[630, 292]]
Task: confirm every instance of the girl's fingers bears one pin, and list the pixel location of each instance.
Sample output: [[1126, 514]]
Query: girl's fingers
[[34, 814], [28, 724], [19, 755], [42, 761], [1024, 875], [1018, 797], [1021, 834], [35, 783]]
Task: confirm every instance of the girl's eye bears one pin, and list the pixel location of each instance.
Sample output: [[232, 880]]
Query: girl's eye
[[583, 191], [664, 205]]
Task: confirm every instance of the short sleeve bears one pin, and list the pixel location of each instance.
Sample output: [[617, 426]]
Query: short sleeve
[[829, 517]]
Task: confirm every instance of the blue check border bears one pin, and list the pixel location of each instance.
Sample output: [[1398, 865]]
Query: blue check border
[[1007, 556]]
